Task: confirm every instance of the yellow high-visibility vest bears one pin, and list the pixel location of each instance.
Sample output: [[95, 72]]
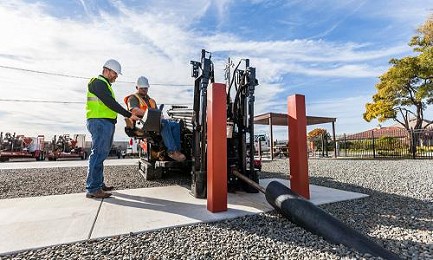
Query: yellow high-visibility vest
[[95, 108]]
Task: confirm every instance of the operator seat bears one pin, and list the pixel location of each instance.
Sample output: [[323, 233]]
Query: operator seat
[[148, 130], [151, 122]]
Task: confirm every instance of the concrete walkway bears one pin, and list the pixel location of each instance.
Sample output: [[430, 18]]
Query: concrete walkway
[[27, 164], [27, 223]]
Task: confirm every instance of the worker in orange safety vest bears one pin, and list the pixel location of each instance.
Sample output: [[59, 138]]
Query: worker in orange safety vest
[[139, 102]]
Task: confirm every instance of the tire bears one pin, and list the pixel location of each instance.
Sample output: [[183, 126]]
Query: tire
[[41, 157]]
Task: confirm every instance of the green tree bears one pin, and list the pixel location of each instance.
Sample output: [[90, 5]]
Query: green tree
[[320, 137], [406, 89], [316, 132]]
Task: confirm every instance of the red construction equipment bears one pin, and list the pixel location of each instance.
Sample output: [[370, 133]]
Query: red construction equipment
[[66, 147], [20, 146]]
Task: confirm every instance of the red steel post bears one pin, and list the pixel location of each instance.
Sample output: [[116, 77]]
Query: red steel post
[[216, 148], [298, 157]]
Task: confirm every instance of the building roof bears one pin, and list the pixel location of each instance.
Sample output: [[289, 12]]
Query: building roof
[[389, 131], [282, 119], [396, 130]]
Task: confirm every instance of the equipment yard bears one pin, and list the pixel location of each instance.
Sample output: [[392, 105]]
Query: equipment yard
[[397, 214]]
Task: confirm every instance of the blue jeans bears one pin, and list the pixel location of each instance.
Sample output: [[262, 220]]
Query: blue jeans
[[170, 132], [101, 131]]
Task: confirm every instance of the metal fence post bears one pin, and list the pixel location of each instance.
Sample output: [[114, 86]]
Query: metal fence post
[[412, 134], [345, 146], [374, 150], [322, 140], [259, 148]]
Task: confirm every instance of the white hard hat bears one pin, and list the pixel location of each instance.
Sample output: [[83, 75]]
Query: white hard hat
[[113, 65], [142, 82]]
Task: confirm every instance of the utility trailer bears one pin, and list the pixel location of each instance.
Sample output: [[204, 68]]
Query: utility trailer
[[65, 146], [14, 146]]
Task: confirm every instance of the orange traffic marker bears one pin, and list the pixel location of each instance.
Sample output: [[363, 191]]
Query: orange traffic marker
[[216, 148], [298, 157]]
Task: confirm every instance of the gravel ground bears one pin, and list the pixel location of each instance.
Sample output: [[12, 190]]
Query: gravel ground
[[398, 215], [64, 180]]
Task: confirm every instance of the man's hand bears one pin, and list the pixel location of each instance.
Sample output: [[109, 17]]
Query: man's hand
[[138, 112], [134, 117]]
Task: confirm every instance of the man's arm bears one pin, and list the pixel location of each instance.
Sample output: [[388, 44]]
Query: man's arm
[[101, 90]]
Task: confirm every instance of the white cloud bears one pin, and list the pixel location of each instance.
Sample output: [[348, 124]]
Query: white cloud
[[347, 110]]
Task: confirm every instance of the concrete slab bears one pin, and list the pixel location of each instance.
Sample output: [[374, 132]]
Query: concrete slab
[[42, 221], [155, 208], [161, 207], [62, 163], [319, 194], [27, 223]]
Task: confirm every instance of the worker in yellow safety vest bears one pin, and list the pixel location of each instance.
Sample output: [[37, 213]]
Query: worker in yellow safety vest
[[101, 113]]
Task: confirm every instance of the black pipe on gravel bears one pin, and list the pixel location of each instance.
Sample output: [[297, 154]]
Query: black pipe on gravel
[[312, 218]]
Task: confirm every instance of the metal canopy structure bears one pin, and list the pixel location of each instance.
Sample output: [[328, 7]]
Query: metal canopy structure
[[280, 119]]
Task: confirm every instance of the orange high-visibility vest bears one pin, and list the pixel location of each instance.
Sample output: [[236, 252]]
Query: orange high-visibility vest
[[143, 104]]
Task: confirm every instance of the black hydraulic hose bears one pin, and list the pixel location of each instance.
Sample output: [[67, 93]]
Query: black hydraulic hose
[[212, 74], [307, 215], [236, 101], [196, 105], [249, 181], [203, 130], [233, 79], [312, 218]]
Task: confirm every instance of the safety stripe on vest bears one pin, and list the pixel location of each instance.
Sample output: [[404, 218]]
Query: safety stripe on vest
[[92, 99]]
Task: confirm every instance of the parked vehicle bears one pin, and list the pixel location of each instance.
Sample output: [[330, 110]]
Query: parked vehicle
[[265, 142], [133, 148]]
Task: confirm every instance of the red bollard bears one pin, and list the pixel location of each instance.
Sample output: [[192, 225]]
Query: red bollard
[[298, 157], [216, 148]]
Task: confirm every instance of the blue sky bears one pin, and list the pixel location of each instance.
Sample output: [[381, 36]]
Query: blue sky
[[330, 51]]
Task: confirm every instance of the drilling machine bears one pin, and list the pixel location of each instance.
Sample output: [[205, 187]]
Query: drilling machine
[[240, 121], [240, 86]]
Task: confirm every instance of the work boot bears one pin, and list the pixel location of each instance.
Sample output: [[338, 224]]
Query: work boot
[[107, 188], [177, 156], [99, 194]]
